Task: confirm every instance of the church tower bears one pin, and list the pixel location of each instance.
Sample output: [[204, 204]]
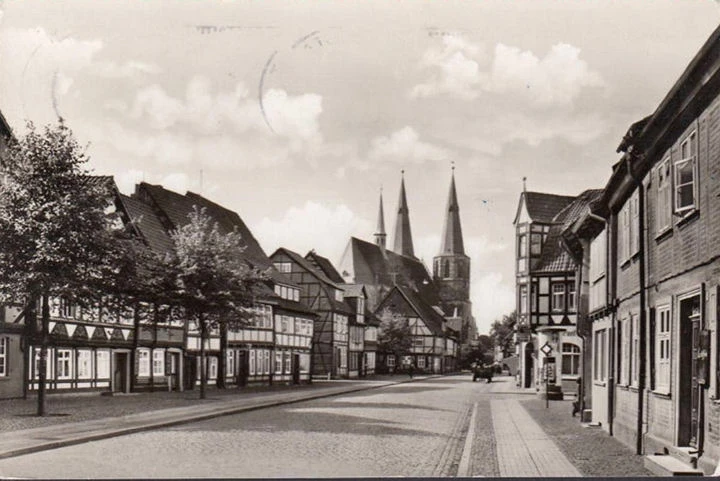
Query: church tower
[[403, 237], [380, 236], [451, 268]]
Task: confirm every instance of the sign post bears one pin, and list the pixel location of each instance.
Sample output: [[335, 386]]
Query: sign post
[[549, 368]]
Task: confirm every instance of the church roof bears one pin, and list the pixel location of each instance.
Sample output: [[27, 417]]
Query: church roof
[[452, 239], [374, 265], [403, 243]]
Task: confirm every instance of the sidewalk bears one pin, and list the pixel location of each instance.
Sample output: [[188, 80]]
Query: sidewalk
[[141, 412]]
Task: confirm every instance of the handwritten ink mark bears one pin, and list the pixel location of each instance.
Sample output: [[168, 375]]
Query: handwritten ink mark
[[302, 40], [261, 87]]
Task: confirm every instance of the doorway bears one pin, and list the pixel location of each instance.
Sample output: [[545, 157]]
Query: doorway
[[529, 365], [120, 372], [690, 319], [296, 369], [242, 368]]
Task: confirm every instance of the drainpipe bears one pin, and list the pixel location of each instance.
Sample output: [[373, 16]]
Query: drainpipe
[[643, 313], [611, 269]]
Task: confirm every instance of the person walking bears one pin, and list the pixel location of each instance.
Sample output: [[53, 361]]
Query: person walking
[[411, 369]]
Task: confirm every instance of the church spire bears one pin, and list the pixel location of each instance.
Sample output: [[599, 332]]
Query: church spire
[[452, 239], [380, 235], [403, 237]]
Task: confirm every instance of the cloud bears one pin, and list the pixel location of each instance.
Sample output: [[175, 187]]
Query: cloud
[[312, 225], [456, 73], [492, 297], [404, 146], [129, 69], [177, 182], [126, 180], [556, 79]]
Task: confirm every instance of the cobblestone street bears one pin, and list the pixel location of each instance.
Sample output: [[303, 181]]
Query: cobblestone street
[[411, 429]]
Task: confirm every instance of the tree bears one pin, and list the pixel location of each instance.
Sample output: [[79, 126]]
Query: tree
[[210, 279], [394, 334], [55, 235], [502, 331]]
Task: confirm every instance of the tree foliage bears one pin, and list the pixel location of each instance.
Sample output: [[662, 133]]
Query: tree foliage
[[55, 234], [501, 333], [209, 278], [394, 334]]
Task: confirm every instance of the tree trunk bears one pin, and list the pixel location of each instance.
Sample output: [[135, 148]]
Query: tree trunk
[[42, 365], [222, 362], [203, 364]]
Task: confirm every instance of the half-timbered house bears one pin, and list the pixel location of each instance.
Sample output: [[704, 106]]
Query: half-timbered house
[[326, 298]]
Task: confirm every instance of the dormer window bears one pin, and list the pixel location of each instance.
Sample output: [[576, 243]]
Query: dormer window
[[289, 293]]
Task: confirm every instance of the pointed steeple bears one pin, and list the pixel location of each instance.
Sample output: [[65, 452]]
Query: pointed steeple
[[452, 239], [380, 235], [403, 238]]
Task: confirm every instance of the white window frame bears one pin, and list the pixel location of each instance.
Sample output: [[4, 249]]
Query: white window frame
[[557, 295], [390, 360], [84, 364], [634, 350], [664, 203], [102, 364], [573, 353], [266, 365], [143, 362], [421, 362], [230, 362], [64, 361], [213, 371], [663, 349], [571, 298], [4, 347], [523, 299], [251, 362], [688, 154], [285, 267], [158, 363]]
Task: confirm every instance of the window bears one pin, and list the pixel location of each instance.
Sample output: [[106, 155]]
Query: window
[[286, 362], [446, 268], [230, 363], [634, 349], [102, 360], [533, 297], [263, 316], [338, 295], [285, 267], [686, 176], [158, 363], [252, 362], [143, 362], [558, 297], [391, 360], [535, 244], [418, 342], [598, 355], [523, 299], [266, 364], [284, 323], [634, 223], [571, 297], [662, 349], [421, 362], [67, 309], [213, 367], [84, 364], [64, 364], [570, 359], [621, 361], [343, 357], [4, 346], [522, 246], [278, 362], [664, 196]]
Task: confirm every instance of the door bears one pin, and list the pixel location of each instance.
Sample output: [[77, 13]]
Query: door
[[190, 376], [528, 374], [175, 371], [120, 372], [296, 368], [242, 368], [689, 393]]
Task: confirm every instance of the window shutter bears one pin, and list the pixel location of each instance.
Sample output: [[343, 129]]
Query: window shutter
[[653, 360]]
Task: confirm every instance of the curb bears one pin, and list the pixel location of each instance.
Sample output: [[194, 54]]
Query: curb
[[190, 419]]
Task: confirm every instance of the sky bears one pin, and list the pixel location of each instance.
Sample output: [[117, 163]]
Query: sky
[[297, 113]]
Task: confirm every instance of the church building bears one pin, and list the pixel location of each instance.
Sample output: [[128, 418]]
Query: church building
[[444, 292]]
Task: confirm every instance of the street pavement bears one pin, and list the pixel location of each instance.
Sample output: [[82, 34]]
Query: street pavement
[[448, 426]]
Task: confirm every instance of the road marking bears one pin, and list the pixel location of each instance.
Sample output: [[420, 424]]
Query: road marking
[[464, 467]]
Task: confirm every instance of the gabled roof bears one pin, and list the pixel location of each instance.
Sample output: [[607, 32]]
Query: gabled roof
[[554, 257], [542, 207], [147, 224], [425, 311], [324, 264], [354, 290], [319, 275]]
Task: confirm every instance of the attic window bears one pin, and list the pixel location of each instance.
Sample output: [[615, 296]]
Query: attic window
[[338, 295], [284, 267]]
